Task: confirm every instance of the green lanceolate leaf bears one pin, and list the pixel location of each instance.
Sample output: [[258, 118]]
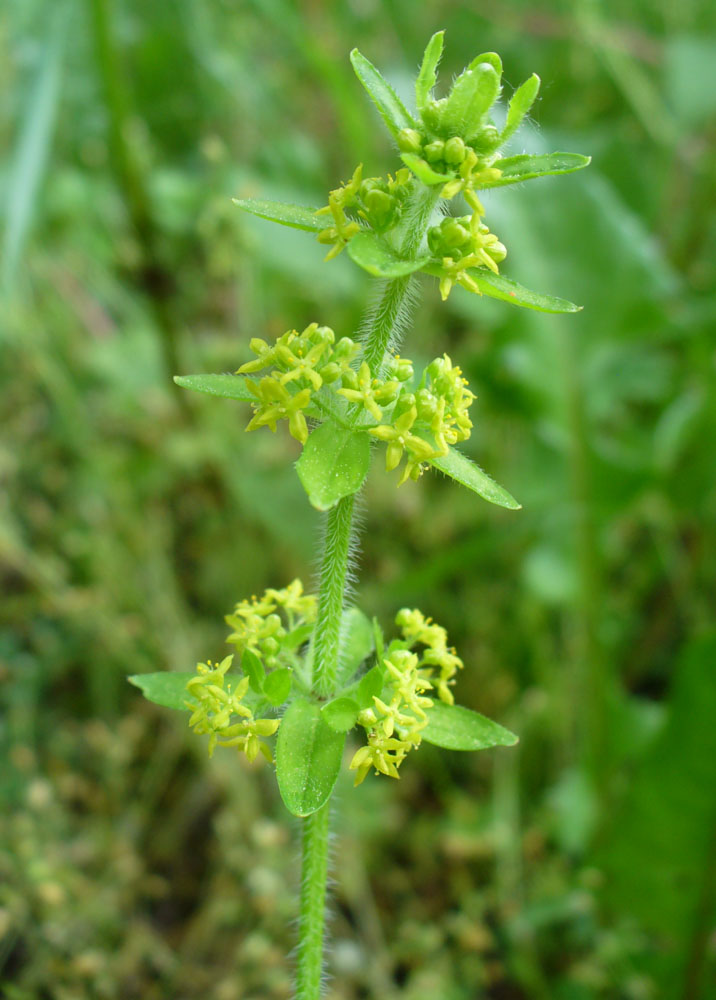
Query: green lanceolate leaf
[[308, 758], [520, 104], [165, 688], [525, 167], [340, 714], [377, 258], [356, 642], [226, 386], [295, 216], [333, 464], [499, 287], [427, 76], [423, 171], [471, 97], [488, 57], [391, 108], [464, 471], [277, 686], [253, 668], [457, 728]]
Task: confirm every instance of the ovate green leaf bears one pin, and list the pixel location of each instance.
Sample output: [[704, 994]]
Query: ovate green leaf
[[375, 256], [340, 714], [457, 728], [277, 685], [356, 642], [370, 686], [428, 71], [464, 471], [391, 108], [226, 386], [164, 688], [295, 216], [333, 464], [308, 758], [525, 167]]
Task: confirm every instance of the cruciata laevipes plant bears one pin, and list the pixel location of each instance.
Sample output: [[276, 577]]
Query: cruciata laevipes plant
[[308, 669]]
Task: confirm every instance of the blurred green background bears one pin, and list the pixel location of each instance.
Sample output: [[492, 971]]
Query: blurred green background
[[581, 864]]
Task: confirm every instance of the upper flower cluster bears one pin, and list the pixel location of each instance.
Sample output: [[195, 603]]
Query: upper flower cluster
[[267, 625], [313, 375]]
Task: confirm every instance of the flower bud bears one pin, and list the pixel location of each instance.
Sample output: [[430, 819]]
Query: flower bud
[[388, 392], [330, 372], [380, 206], [454, 234], [321, 335], [498, 251], [437, 368], [426, 404], [406, 401], [372, 184], [454, 150], [345, 349], [270, 646], [434, 150], [432, 114], [409, 141], [400, 369], [486, 140]]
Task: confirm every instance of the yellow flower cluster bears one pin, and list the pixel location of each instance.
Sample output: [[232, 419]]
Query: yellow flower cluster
[[462, 243], [424, 424], [216, 704], [308, 360], [262, 623], [376, 200], [416, 628], [394, 727], [421, 424]]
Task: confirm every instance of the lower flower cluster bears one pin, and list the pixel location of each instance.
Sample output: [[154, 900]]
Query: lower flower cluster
[[272, 633], [394, 725]]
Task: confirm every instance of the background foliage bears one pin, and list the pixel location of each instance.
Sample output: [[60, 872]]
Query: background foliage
[[581, 864]]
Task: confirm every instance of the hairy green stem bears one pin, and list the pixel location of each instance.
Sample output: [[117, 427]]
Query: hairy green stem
[[334, 571], [313, 903], [384, 318], [380, 328]]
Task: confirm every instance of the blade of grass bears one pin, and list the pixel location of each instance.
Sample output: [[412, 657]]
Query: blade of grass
[[33, 145]]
